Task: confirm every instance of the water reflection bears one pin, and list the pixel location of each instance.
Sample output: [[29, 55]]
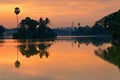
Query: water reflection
[[29, 48], [1, 42], [17, 62], [58, 57], [96, 41], [111, 54], [33, 47]]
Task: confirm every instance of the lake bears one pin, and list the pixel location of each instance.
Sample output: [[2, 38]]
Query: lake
[[66, 58]]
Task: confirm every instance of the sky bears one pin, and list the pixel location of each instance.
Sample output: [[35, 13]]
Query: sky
[[60, 12]]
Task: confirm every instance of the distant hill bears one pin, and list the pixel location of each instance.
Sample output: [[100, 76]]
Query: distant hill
[[112, 23], [107, 19], [98, 30]]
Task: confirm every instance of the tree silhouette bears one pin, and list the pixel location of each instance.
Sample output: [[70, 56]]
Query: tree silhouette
[[26, 29], [44, 31], [112, 23], [17, 11], [32, 29], [2, 30]]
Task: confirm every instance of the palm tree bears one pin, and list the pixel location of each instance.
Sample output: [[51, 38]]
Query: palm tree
[[32, 29], [17, 11]]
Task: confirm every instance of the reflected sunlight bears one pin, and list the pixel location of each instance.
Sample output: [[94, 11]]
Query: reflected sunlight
[[66, 61]]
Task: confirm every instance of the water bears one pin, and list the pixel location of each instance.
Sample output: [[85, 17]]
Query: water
[[66, 58]]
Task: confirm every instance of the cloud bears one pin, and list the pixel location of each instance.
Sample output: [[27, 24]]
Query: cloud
[[12, 1]]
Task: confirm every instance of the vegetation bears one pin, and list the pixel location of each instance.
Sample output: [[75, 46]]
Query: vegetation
[[112, 23], [2, 30], [87, 30], [32, 29], [109, 25]]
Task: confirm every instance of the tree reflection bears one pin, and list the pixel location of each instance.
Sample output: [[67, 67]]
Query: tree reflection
[[17, 62], [31, 48], [111, 54], [28, 50], [1, 42], [43, 50], [96, 41]]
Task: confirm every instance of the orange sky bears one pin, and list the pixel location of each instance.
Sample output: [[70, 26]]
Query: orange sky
[[60, 12]]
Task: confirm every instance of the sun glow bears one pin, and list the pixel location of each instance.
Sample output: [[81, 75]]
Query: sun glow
[[61, 12]]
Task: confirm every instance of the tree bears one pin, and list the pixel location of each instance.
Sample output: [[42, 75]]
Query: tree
[[44, 32], [2, 30], [32, 29], [112, 23], [26, 28], [17, 11], [43, 23]]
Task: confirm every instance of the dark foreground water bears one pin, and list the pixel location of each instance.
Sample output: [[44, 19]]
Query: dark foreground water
[[78, 58]]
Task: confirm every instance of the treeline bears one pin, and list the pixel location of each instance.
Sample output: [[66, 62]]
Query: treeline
[[29, 29], [2, 30], [81, 31], [95, 30]]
